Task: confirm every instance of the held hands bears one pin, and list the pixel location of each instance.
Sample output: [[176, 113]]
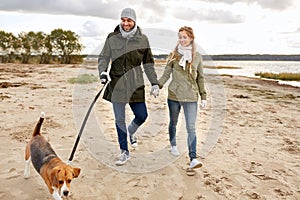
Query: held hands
[[203, 104], [154, 91], [104, 77]]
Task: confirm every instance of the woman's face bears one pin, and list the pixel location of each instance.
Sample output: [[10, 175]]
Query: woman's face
[[184, 39], [127, 23]]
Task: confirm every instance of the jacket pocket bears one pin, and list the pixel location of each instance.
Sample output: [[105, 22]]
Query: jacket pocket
[[118, 83]]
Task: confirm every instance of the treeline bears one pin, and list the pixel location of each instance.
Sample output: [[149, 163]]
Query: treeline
[[60, 46]]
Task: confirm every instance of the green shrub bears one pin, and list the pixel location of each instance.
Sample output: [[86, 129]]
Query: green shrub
[[280, 76], [84, 79]]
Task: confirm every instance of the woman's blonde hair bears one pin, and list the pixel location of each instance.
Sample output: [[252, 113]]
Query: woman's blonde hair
[[190, 33]]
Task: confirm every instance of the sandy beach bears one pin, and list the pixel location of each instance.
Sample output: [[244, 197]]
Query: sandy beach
[[248, 139]]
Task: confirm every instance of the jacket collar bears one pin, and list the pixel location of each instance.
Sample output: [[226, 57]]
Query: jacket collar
[[138, 33]]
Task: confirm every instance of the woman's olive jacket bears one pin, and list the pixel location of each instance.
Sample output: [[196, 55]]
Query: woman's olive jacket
[[125, 58], [185, 85]]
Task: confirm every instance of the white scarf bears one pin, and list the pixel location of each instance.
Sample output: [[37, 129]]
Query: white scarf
[[186, 53], [128, 34]]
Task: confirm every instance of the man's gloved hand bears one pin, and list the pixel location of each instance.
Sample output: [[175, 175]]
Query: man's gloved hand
[[104, 77], [203, 104], [154, 90]]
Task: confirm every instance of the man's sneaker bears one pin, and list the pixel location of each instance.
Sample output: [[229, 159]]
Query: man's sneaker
[[124, 157], [174, 151], [133, 140], [195, 164]]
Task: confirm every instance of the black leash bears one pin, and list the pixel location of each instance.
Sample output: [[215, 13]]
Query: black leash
[[83, 124]]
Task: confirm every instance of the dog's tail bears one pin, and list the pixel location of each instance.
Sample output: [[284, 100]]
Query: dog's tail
[[37, 129]]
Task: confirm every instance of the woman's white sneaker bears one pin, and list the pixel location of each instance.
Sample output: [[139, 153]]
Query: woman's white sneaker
[[174, 151], [195, 164]]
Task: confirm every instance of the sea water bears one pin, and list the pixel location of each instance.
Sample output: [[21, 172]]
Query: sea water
[[249, 68]]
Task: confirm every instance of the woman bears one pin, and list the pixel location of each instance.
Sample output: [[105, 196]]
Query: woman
[[185, 65]]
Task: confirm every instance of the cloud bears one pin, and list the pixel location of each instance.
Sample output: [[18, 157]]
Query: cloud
[[268, 4], [216, 16], [297, 31], [161, 38], [96, 8], [275, 4], [292, 38], [293, 42], [153, 10], [91, 29]]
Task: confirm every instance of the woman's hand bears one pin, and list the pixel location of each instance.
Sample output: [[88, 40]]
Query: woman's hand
[[154, 91], [203, 104]]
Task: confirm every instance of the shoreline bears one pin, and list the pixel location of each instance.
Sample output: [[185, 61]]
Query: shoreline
[[289, 84]]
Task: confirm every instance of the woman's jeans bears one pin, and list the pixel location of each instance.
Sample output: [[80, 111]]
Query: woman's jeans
[[190, 114], [140, 115]]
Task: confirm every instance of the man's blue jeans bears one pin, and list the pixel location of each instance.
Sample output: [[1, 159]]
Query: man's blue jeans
[[190, 114], [140, 115]]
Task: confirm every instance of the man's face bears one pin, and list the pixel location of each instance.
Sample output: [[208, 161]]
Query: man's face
[[127, 23]]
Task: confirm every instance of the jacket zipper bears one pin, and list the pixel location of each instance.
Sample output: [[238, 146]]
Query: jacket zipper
[[124, 68]]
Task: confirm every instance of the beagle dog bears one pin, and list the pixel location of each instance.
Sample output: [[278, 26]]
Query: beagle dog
[[56, 174]]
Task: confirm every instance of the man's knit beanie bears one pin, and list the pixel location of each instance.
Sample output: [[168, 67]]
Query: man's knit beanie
[[129, 13]]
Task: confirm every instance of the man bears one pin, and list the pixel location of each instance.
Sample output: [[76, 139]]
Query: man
[[125, 50]]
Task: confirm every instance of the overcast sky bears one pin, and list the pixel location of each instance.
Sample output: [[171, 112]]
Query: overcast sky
[[221, 26]]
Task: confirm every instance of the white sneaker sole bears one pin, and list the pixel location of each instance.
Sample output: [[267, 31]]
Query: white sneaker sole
[[134, 145], [197, 166], [175, 154], [119, 163]]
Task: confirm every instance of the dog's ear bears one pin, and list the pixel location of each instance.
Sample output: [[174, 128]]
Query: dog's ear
[[76, 172], [54, 177]]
